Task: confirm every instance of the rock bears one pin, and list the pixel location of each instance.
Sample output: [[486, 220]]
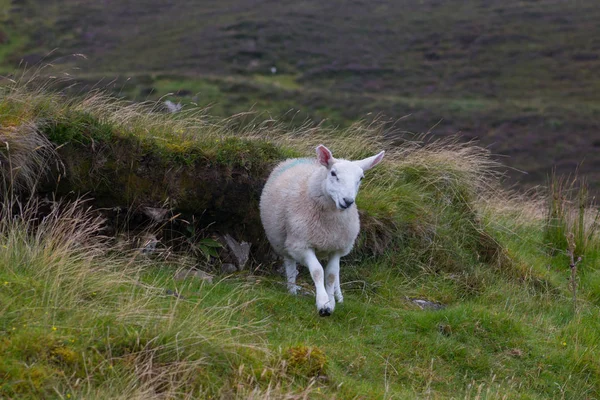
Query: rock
[[240, 251], [147, 243], [157, 214], [172, 107], [228, 268], [174, 293], [193, 273], [426, 304]]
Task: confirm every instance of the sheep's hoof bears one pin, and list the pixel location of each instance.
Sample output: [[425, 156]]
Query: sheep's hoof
[[325, 312]]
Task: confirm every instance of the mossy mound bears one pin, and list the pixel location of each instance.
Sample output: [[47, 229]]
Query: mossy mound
[[306, 361], [423, 198], [221, 187]]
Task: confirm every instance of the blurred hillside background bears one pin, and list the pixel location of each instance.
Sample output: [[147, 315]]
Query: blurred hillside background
[[521, 77]]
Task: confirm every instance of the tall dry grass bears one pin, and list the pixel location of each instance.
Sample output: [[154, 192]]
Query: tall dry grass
[[95, 327], [25, 156], [571, 213]]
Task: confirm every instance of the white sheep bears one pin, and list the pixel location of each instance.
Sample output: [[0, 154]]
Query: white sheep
[[307, 209]]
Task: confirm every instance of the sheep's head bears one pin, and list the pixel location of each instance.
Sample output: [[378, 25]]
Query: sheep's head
[[343, 176]]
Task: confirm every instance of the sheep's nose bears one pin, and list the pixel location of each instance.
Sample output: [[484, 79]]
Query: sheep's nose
[[348, 201]]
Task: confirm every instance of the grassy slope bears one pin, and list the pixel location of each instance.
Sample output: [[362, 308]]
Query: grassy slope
[[79, 320], [89, 335], [521, 76]]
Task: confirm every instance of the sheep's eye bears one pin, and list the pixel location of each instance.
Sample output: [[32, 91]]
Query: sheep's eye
[[333, 173], [361, 178]]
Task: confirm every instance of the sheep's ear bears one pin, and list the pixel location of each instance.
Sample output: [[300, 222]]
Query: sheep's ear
[[324, 156], [370, 162]]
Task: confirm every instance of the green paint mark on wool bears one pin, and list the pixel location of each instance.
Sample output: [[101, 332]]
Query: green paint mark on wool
[[293, 164]]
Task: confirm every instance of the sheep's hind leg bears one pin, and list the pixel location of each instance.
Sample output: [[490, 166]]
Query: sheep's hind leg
[[333, 274], [324, 306], [338, 291], [291, 272], [332, 279]]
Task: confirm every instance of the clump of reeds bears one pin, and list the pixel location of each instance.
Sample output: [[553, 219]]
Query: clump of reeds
[[571, 212]]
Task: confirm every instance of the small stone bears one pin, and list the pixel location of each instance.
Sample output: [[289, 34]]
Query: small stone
[[193, 273], [174, 293], [172, 107], [426, 304], [147, 243], [240, 251], [157, 214], [228, 268]]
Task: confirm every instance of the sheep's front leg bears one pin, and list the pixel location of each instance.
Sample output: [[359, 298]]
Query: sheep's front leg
[[332, 277], [324, 306], [291, 272]]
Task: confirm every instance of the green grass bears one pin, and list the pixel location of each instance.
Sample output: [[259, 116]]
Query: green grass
[[572, 219], [82, 317], [287, 82], [14, 43], [507, 339], [78, 321]]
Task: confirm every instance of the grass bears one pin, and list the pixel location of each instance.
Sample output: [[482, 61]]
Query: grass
[[571, 214], [80, 317], [78, 320], [506, 340]]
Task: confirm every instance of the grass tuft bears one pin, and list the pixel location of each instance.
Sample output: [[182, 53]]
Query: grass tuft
[[25, 156], [307, 362], [571, 213]]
